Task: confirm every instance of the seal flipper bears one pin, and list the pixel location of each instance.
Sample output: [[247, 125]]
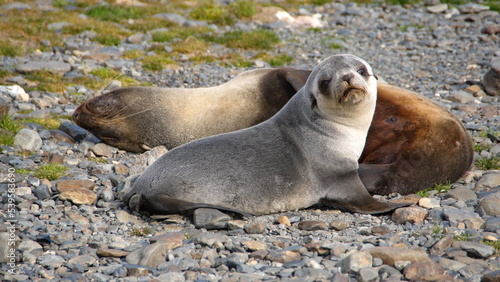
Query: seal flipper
[[297, 78], [163, 204], [350, 194]]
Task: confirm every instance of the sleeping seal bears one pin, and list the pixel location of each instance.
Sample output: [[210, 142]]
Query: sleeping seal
[[306, 154]]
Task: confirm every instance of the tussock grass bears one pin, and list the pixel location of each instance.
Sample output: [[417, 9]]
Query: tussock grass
[[440, 188], [484, 163], [50, 171]]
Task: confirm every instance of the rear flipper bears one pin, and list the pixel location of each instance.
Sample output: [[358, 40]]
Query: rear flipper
[[162, 204], [350, 194]]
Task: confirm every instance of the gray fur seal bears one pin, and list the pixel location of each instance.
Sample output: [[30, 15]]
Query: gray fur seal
[[306, 154]]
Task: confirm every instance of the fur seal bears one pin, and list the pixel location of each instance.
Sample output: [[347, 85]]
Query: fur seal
[[413, 143], [305, 154], [139, 118]]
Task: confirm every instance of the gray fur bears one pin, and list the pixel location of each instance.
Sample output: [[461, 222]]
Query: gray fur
[[304, 155]]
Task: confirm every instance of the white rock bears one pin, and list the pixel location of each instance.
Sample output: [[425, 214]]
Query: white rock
[[16, 92]]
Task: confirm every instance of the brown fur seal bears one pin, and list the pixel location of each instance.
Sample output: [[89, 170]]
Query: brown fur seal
[[139, 118], [305, 154], [413, 143]]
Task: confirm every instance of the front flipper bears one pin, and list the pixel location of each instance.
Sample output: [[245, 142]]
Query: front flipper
[[375, 177], [349, 193], [163, 204]]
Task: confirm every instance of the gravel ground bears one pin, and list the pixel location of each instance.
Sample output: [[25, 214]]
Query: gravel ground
[[75, 228]]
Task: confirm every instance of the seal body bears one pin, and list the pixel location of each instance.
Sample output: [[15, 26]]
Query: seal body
[[139, 118], [306, 154]]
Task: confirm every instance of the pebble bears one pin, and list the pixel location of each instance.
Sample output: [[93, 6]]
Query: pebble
[[27, 139], [76, 228]]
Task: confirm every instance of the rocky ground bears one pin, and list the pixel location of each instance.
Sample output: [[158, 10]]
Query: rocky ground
[[75, 229]]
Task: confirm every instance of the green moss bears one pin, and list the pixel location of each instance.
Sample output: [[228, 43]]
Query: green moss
[[494, 5], [481, 147], [494, 244], [51, 171], [47, 123], [403, 2], [9, 49], [141, 231], [275, 61], [108, 39], [8, 129], [60, 3], [189, 45], [156, 63], [258, 39], [133, 54], [98, 160], [243, 9], [114, 13], [23, 171], [492, 163], [461, 237], [213, 12], [485, 133], [441, 188], [47, 81]]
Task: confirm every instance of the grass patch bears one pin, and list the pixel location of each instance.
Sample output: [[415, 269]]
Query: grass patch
[[275, 61], [481, 147], [441, 188], [213, 12], [141, 231], [108, 39], [243, 9], [258, 39], [156, 63], [9, 49], [133, 54], [494, 244], [8, 130], [461, 237], [190, 45], [47, 123], [50, 171], [494, 5], [46, 81], [97, 160], [485, 133], [484, 163], [114, 13], [235, 59]]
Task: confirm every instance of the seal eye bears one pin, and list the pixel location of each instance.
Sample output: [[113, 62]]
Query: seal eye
[[324, 84], [363, 71]]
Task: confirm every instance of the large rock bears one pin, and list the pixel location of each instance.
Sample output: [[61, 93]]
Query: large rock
[[151, 255], [409, 214], [420, 270], [490, 204], [491, 80], [355, 261], [391, 255], [27, 139]]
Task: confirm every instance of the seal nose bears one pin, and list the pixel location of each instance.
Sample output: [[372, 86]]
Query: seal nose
[[75, 115], [348, 77]]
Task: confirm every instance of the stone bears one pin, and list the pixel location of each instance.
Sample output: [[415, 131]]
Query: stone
[[152, 255], [437, 9], [462, 193], [254, 245], [451, 264], [104, 252], [491, 29], [474, 223], [16, 92], [65, 185], [355, 261], [124, 217], [79, 196], [429, 203], [339, 225], [51, 66], [491, 80], [16, 6], [134, 270], [255, 227], [471, 8], [489, 205], [390, 255], [455, 215], [409, 214], [313, 225], [460, 97], [367, 274], [172, 239], [74, 131], [27, 139], [102, 150], [42, 192], [420, 270], [492, 224], [51, 261], [210, 240], [440, 246], [283, 256], [283, 220], [493, 276], [488, 181], [28, 245], [210, 219], [171, 17], [477, 250], [380, 230]]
